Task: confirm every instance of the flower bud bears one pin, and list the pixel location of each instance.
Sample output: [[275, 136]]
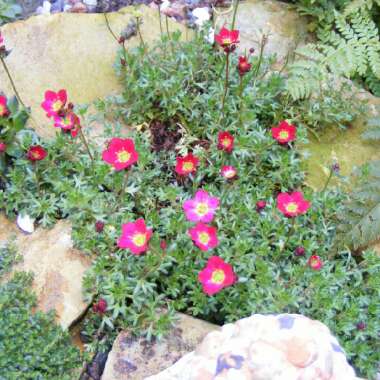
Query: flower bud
[[3, 147], [361, 325], [299, 251], [260, 205], [99, 226]]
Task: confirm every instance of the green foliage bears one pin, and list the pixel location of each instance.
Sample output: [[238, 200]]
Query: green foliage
[[8, 257], [348, 45], [360, 220], [32, 346], [12, 132], [9, 11], [174, 106]]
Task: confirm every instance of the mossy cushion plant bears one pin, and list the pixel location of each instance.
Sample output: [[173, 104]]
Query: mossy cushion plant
[[32, 346], [201, 206]]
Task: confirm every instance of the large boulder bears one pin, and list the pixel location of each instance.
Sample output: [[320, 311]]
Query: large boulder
[[263, 347], [136, 358], [72, 51], [285, 28], [58, 269]]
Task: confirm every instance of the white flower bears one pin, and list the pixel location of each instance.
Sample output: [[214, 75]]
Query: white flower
[[25, 223], [201, 15]]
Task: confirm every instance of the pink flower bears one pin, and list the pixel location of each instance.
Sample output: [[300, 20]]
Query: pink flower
[[204, 236], [228, 172], [3, 147], [54, 102], [225, 141], [135, 237], [226, 37], [186, 165], [201, 208], [292, 204], [120, 153], [36, 153], [315, 262], [3, 106], [66, 122], [284, 132], [1, 40], [216, 276]]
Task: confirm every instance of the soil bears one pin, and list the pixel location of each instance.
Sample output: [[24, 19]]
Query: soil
[[164, 138]]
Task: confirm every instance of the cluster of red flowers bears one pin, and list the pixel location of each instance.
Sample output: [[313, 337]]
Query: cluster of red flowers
[[56, 107]]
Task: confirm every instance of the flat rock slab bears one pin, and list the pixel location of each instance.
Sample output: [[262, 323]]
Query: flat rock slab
[[72, 51], [58, 268], [135, 359], [285, 28]]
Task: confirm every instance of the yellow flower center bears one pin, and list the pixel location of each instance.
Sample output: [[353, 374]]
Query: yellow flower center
[[284, 135], [188, 166], [204, 237], [202, 209], [227, 41], [226, 142], [218, 276], [2, 110], [57, 105], [123, 156], [139, 239], [229, 173], [291, 207], [35, 155]]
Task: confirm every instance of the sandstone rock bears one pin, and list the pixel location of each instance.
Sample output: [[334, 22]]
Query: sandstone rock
[[136, 359], [58, 269], [286, 29], [72, 51], [275, 347]]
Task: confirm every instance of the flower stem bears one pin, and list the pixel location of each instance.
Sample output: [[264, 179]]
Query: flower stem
[[168, 33], [290, 232], [160, 19], [261, 55], [139, 33], [327, 180], [12, 82], [85, 143], [236, 5], [226, 81], [241, 88]]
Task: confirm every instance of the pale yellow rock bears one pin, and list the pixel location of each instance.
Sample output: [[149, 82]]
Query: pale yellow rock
[[72, 51], [58, 268], [135, 359], [285, 28]]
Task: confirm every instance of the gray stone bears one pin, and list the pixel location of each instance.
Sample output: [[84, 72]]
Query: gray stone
[[135, 359], [285, 28]]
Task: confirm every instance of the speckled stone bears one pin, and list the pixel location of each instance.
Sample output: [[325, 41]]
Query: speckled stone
[[135, 359], [272, 347]]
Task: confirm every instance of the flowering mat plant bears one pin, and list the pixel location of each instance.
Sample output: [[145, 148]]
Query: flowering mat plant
[[202, 207]]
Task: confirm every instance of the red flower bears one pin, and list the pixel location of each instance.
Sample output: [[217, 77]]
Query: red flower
[[3, 106], [135, 236], [228, 172], [66, 122], [100, 307], [54, 102], [204, 236], [163, 245], [36, 153], [120, 153], [99, 226], [315, 262], [284, 132], [226, 37], [260, 205], [1, 40], [3, 147], [216, 276], [292, 204], [225, 141], [243, 66], [186, 165]]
